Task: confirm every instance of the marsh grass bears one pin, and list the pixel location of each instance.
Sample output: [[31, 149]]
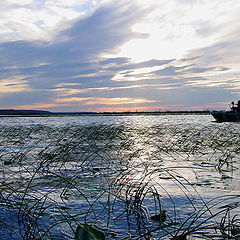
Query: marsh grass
[[119, 181]]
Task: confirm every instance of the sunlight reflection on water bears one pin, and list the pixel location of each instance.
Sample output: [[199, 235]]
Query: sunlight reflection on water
[[143, 120], [80, 160]]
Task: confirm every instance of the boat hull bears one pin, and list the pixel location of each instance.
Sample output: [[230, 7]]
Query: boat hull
[[226, 116]]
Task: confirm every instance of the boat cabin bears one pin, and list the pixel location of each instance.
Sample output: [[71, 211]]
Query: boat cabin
[[228, 116], [235, 107]]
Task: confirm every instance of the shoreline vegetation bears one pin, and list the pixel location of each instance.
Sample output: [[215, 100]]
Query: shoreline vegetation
[[40, 113]]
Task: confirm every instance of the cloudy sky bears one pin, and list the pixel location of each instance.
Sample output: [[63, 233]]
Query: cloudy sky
[[107, 55]]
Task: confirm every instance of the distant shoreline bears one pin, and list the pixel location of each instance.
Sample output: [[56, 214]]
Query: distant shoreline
[[35, 113]]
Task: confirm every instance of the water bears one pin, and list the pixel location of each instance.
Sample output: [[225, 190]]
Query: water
[[116, 172], [140, 120]]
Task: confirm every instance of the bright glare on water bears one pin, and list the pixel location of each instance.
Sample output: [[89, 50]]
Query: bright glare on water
[[116, 172], [143, 120]]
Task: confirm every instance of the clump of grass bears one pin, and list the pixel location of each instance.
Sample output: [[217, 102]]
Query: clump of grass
[[116, 181]]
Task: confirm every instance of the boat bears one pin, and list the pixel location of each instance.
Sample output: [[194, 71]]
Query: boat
[[233, 115]]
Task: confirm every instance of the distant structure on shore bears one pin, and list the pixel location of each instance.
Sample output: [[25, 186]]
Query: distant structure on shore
[[12, 112]]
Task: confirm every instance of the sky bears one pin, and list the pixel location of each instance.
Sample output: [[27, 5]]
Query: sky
[[107, 55]]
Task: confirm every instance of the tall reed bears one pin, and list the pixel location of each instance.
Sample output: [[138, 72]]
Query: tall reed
[[119, 182]]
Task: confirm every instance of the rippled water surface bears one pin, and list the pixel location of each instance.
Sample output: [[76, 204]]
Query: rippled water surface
[[114, 173]]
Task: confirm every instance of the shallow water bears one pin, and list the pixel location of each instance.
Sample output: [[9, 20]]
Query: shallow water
[[115, 172]]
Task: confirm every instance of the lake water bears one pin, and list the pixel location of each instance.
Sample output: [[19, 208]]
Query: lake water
[[115, 173]]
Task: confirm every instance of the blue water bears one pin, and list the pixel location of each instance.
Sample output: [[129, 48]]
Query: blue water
[[143, 120], [100, 168]]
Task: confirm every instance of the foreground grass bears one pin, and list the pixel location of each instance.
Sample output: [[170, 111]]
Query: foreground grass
[[119, 182]]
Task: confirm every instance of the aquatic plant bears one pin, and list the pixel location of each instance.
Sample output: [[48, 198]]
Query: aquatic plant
[[118, 182]]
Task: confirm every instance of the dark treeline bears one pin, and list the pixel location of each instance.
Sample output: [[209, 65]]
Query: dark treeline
[[12, 112]]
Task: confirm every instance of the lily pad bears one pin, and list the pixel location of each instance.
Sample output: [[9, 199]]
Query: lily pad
[[87, 232], [161, 217]]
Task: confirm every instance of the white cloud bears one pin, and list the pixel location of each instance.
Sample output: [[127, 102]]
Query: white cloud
[[175, 27], [69, 3], [200, 37], [28, 20], [19, 2], [13, 85]]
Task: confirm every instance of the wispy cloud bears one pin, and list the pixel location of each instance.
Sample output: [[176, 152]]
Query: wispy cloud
[[104, 101], [76, 55], [13, 85]]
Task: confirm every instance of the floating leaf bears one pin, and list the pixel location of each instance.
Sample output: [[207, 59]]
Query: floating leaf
[[180, 237], [87, 232], [64, 207], [235, 232], [160, 217]]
